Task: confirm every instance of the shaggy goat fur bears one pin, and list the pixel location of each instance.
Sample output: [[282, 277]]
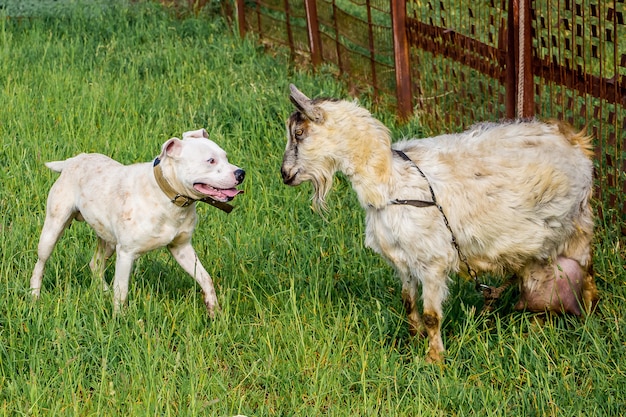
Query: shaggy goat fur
[[516, 196]]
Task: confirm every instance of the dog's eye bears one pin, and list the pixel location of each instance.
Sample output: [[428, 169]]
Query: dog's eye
[[211, 161]]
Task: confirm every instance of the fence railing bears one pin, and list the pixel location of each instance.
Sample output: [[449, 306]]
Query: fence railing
[[454, 62]]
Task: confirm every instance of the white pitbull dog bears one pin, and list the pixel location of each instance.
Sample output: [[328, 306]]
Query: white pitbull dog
[[140, 207]]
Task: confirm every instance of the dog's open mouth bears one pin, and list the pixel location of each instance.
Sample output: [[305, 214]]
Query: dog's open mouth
[[220, 194]]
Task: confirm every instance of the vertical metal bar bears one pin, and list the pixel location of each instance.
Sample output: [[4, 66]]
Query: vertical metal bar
[[620, 142], [258, 18], [510, 58], [313, 30], [241, 17], [370, 36], [292, 46], [337, 41], [525, 95], [401, 57]]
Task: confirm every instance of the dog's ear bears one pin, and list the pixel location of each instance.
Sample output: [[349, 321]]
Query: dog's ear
[[173, 147], [199, 134], [305, 105]]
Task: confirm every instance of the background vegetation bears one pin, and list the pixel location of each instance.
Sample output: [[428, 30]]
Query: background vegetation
[[312, 321]]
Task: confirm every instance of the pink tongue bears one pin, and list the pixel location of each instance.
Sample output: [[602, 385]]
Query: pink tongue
[[204, 189], [232, 192]]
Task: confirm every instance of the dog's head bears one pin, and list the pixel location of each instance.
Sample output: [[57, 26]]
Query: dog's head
[[199, 168]]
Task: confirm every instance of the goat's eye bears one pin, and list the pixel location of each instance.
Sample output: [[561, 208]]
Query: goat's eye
[[299, 132]]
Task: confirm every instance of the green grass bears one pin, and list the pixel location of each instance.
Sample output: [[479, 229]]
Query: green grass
[[312, 322]]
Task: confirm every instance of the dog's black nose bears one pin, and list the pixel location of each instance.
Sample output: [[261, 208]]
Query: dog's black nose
[[240, 174]]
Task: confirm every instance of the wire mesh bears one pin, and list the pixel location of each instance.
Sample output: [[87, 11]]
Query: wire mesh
[[461, 55]]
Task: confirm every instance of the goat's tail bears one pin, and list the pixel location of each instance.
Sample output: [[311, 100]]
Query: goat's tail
[[577, 139]]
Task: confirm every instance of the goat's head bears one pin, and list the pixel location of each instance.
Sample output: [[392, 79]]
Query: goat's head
[[309, 154], [328, 135]]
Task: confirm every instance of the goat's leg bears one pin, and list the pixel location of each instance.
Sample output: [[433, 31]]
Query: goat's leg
[[579, 250], [409, 298], [590, 291], [434, 292]]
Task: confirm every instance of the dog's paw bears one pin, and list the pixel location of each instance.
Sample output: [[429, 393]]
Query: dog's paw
[[212, 308]]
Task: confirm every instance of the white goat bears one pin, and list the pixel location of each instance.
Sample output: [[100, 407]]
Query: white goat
[[515, 197]]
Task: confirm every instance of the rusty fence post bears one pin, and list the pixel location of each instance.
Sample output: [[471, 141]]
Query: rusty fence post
[[510, 83], [313, 31], [292, 45], [241, 17], [401, 58], [370, 38]]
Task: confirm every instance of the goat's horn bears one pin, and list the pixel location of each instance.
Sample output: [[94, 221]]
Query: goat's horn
[[304, 104]]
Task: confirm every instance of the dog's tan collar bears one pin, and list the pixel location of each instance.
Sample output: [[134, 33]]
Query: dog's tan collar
[[179, 199]]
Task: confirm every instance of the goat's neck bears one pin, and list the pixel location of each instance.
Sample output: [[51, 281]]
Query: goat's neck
[[369, 170]]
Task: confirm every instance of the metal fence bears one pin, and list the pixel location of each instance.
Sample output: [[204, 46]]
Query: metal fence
[[451, 63]]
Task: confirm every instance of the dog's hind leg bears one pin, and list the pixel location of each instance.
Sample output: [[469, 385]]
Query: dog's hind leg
[[103, 252], [186, 256], [59, 215]]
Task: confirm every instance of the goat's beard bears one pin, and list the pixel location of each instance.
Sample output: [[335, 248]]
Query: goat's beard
[[322, 183]]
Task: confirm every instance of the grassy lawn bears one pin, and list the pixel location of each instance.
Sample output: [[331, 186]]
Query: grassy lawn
[[312, 322]]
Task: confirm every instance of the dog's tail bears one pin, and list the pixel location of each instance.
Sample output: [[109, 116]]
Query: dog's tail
[[56, 166], [577, 139]]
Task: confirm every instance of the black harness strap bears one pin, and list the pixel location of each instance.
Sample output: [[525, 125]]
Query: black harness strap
[[414, 203], [487, 291]]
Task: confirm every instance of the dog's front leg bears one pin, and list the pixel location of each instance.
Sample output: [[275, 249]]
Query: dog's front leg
[[186, 256], [123, 267]]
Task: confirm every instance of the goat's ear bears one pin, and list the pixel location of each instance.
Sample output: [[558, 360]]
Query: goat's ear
[[305, 105]]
